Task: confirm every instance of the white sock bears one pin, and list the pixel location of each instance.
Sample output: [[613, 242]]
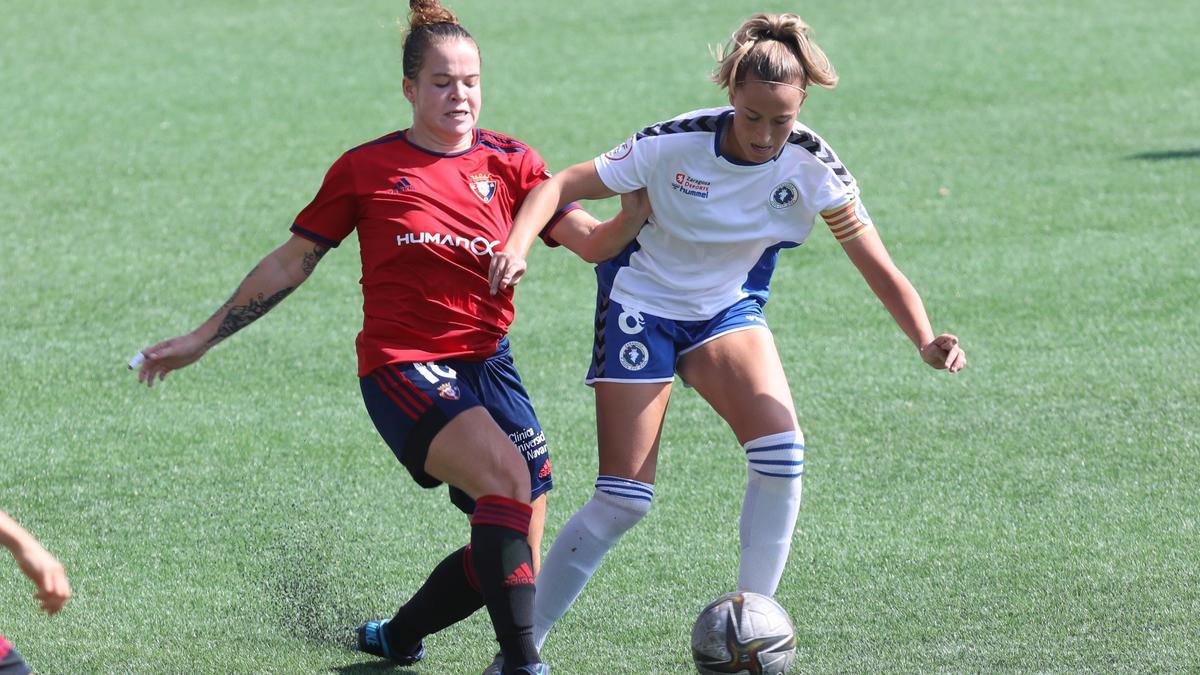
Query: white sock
[[776, 471], [617, 505]]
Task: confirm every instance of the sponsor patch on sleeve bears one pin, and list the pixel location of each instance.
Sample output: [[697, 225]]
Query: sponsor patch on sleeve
[[621, 151]]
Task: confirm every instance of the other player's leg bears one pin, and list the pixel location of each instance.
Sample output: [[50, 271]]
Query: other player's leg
[[740, 375], [629, 418]]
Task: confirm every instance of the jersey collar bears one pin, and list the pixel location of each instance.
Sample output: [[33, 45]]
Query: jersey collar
[[460, 153]]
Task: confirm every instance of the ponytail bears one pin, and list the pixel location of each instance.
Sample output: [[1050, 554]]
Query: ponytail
[[773, 48]]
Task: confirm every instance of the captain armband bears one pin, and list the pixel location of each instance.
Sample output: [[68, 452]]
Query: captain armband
[[848, 221]]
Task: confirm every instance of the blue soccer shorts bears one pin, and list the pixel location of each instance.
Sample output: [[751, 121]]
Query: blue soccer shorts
[[633, 346], [411, 402]]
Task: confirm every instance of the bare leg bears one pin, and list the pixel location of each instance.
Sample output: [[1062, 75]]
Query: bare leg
[[537, 526], [473, 454], [629, 421], [742, 378]]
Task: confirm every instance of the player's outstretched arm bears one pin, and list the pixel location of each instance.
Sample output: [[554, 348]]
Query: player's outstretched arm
[[901, 299], [35, 561], [272, 280], [596, 241], [578, 182]]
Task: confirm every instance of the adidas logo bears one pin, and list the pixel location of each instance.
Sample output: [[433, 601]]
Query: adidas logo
[[402, 185], [521, 576]]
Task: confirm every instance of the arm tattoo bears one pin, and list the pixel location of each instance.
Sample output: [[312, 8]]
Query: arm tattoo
[[240, 316], [312, 258]]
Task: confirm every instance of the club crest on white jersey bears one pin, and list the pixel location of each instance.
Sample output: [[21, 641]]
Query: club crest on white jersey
[[784, 195]]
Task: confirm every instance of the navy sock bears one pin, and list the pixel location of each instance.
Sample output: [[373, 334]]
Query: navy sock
[[449, 595], [504, 567]]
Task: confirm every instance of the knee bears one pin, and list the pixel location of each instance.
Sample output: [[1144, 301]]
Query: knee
[[506, 476]]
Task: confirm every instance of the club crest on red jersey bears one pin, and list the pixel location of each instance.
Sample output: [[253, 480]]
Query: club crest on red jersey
[[484, 186]]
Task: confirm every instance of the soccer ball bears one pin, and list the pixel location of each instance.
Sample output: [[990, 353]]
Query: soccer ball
[[743, 632]]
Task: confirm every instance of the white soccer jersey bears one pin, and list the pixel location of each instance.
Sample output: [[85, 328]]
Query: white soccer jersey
[[718, 224]]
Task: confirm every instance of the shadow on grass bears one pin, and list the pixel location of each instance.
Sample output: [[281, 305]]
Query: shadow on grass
[[1165, 155]]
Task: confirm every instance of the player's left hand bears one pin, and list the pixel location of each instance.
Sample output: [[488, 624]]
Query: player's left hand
[[505, 271], [943, 353]]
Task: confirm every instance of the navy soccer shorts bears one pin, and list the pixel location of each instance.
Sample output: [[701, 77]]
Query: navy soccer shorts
[[411, 402], [633, 346]]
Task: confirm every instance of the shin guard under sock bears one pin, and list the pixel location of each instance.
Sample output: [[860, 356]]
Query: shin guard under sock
[[504, 567], [773, 489]]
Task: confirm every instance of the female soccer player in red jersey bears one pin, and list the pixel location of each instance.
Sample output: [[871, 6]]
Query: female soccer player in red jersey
[[730, 187], [431, 204]]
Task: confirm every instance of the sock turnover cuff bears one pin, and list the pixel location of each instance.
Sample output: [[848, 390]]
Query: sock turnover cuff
[[502, 512], [780, 441], [625, 488], [777, 455]]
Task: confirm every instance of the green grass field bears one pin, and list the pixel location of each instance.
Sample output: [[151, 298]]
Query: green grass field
[[1034, 169]]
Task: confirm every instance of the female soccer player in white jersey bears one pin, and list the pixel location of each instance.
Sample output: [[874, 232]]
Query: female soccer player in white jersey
[[729, 187]]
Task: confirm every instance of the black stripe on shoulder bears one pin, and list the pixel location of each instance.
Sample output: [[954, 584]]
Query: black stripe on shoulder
[[691, 124], [394, 136], [812, 143], [500, 142], [500, 148], [500, 139]]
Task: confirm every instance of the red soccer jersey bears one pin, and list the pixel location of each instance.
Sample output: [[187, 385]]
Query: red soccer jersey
[[427, 226]]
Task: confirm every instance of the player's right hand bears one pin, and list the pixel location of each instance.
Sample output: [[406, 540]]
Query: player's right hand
[[505, 271], [170, 355], [944, 353], [46, 573]]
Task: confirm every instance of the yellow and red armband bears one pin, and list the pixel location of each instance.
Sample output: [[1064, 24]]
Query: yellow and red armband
[[848, 221]]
